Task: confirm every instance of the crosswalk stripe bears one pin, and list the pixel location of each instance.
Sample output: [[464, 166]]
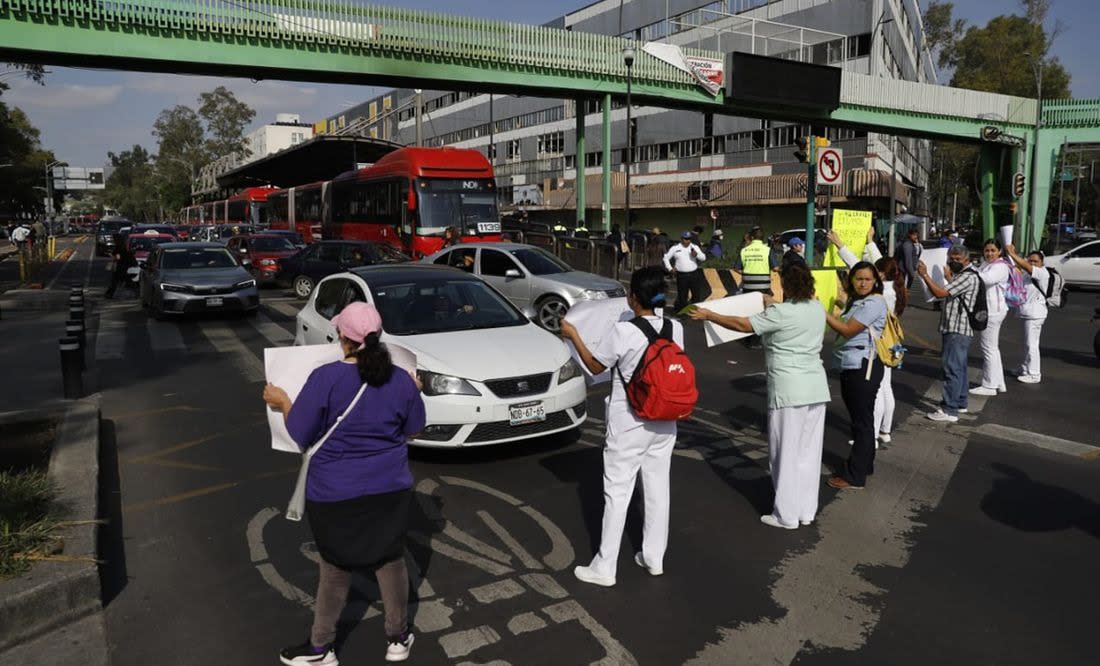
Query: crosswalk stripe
[[110, 337], [164, 336], [275, 334], [225, 341], [288, 309]]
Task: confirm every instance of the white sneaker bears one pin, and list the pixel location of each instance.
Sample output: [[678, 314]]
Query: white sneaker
[[640, 561], [1030, 379], [942, 416], [884, 437], [981, 390], [805, 522], [1003, 389], [587, 575], [964, 410], [398, 650], [772, 521]]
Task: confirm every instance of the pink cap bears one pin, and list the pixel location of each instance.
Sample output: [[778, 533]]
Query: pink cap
[[358, 320]]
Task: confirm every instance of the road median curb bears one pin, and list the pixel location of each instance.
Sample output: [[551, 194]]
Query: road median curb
[[54, 593]]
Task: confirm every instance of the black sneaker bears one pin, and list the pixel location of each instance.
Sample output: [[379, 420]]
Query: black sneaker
[[300, 655], [400, 647]]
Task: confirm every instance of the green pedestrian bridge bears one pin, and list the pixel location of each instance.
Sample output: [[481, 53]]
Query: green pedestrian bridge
[[339, 41]]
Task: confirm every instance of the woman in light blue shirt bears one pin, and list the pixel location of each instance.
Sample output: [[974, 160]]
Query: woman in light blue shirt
[[855, 357], [792, 333]]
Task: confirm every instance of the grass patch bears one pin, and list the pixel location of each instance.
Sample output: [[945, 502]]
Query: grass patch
[[28, 519]]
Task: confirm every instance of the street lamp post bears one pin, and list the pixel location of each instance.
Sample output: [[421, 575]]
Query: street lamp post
[[49, 189], [883, 20], [628, 60]]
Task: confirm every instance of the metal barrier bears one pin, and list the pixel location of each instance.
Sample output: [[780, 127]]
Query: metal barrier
[[592, 255]]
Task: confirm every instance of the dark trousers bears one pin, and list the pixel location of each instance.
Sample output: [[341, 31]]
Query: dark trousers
[[693, 282], [118, 277], [859, 397]]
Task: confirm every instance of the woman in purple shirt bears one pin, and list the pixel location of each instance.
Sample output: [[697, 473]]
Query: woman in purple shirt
[[358, 489]]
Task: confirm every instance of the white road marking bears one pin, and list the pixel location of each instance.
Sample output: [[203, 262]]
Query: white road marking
[[525, 623], [509, 541], [828, 599], [61, 271], [462, 643], [1018, 436], [289, 309], [275, 334], [164, 336], [497, 591], [110, 336], [225, 341]]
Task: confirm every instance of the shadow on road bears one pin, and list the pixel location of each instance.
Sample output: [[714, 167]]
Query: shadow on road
[[112, 548], [1021, 502]]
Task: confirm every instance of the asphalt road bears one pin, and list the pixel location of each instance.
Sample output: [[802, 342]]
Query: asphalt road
[[965, 548]]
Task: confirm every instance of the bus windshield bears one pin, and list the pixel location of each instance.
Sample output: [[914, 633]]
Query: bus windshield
[[468, 205]]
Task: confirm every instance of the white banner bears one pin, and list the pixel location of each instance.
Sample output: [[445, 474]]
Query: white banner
[[594, 320], [709, 73], [742, 305]]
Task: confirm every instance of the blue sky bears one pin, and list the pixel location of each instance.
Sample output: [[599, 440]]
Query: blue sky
[[85, 113]]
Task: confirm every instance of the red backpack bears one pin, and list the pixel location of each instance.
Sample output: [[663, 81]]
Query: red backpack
[[662, 387]]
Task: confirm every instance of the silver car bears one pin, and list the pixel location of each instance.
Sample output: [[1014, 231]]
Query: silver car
[[530, 277], [190, 277]]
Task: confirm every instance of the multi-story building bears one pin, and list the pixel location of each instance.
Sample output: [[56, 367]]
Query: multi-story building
[[684, 161], [287, 131]]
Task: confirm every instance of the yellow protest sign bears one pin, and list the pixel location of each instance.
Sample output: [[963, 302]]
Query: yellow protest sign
[[852, 227], [826, 285]]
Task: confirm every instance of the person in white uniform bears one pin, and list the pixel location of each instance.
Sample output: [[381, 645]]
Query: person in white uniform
[[636, 448], [798, 392], [685, 258], [1033, 311], [895, 294], [995, 273]]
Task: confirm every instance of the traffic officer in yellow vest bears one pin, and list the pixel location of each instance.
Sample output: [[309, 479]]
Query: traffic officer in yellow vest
[[756, 264]]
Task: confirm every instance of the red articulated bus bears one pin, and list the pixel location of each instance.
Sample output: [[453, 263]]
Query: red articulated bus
[[298, 209], [246, 207], [409, 197]]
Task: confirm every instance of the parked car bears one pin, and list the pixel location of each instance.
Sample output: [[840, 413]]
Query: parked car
[[489, 374], [1085, 234], [293, 236], [220, 233], [320, 259], [530, 277], [1080, 266], [141, 245], [196, 277], [105, 231], [262, 252]]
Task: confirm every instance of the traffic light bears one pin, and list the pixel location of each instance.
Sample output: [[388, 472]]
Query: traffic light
[[821, 142], [1018, 183], [803, 152]]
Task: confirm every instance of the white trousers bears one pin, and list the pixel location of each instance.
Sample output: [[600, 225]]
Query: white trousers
[[884, 403], [630, 456], [795, 439], [993, 372], [1033, 328]]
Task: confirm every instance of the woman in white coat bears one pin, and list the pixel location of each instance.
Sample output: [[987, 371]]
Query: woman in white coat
[[637, 449], [896, 296], [1033, 311], [995, 273]]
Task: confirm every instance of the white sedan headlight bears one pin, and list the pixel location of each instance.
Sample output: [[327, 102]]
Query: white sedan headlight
[[568, 371], [244, 284], [594, 294], [437, 384]]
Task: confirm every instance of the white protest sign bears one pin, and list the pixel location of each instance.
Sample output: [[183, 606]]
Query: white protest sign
[[742, 305], [594, 320], [935, 259], [290, 367]]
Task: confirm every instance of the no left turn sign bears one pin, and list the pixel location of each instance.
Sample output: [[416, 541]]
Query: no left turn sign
[[830, 166]]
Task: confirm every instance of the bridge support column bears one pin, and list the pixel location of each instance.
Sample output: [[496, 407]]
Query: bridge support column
[[988, 162], [606, 161], [580, 185], [1047, 150]]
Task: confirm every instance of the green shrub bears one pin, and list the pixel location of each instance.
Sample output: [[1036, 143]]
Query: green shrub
[[28, 517]]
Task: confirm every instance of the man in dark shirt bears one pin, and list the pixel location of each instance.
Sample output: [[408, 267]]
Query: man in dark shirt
[[124, 259], [908, 256], [795, 254]]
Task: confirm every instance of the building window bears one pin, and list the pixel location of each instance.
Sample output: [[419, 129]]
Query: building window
[[551, 144], [514, 153]]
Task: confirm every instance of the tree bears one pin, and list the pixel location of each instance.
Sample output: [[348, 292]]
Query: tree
[[225, 117], [132, 187], [22, 181], [36, 73], [942, 32], [1002, 58], [181, 151]]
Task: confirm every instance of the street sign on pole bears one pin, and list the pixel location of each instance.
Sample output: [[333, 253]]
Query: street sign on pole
[[830, 166]]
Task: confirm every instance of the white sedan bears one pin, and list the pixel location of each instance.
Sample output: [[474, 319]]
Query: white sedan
[[1080, 266], [489, 374]]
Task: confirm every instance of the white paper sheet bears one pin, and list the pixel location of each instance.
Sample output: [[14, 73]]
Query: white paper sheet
[[1006, 235], [290, 367], [593, 320], [935, 259], [742, 305]]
